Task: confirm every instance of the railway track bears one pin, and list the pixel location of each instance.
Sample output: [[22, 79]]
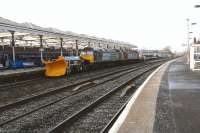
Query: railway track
[[48, 102], [24, 89], [61, 104], [56, 97], [43, 86], [101, 113], [20, 79], [16, 82]]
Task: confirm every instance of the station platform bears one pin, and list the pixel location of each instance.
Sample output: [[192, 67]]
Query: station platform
[[20, 71], [167, 102]]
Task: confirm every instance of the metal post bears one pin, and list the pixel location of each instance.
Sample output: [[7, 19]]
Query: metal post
[[2, 40], [13, 45], [41, 48], [88, 44], [61, 46], [188, 40], [76, 47]]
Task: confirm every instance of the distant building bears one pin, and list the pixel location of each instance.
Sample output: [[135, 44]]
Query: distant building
[[164, 54], [156, 53], [148, 52]]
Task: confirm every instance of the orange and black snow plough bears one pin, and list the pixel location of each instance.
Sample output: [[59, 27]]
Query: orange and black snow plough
[[56, 68]]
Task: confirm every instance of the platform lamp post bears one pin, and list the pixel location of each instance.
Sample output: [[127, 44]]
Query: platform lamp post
[[196, 6], [192, 24], [188, 38]]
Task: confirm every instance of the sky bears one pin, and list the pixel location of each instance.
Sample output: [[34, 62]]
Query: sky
[[149, 24]]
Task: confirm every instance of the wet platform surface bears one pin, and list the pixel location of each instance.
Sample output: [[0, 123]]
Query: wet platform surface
[[173, 106], [184, 100]]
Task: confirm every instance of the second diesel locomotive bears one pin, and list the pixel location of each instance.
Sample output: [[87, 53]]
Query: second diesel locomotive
[[90, 55]]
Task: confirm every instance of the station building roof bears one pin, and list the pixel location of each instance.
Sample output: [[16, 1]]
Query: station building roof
[[27, 34]]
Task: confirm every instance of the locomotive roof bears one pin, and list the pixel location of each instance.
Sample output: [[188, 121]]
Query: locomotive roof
[[106, 50]]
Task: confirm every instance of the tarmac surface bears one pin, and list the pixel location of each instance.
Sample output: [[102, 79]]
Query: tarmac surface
[[178, 102]]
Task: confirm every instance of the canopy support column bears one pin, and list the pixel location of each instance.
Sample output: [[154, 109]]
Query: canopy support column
[[76, 47], [41, 48], [13, 45], [61, 46], [2, 40], [88, 44]]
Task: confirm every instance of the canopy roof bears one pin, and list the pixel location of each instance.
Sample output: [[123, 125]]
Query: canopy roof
[[28, 34]]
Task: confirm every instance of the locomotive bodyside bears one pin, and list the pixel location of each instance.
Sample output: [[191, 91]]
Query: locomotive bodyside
[[133, 55]]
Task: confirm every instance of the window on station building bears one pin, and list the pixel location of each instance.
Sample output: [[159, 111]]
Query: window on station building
[[197, 50]]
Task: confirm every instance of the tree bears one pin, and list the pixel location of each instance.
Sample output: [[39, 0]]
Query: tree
[[167, 48]]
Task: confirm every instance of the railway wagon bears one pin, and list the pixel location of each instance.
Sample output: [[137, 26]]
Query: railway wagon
[[133, 55], [110, 55], [103, 55]]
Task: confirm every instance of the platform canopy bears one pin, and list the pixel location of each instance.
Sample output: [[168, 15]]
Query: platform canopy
[[28, 34]]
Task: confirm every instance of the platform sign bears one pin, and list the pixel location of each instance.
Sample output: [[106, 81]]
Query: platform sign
[[41, 49], [72, 58]]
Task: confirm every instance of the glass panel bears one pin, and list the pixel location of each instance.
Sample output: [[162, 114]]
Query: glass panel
[[83, 53], [197, 57], [90, 52]]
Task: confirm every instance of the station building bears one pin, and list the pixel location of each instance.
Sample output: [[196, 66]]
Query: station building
[[156, 53], [195, 56]]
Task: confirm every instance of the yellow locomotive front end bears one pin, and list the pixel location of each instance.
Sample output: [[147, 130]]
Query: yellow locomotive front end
[[87, 55]]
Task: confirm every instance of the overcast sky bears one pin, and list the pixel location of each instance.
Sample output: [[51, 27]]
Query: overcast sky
[[151, 24]]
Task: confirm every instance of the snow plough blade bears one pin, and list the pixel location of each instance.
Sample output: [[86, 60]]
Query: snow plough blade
[[56, 68]]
